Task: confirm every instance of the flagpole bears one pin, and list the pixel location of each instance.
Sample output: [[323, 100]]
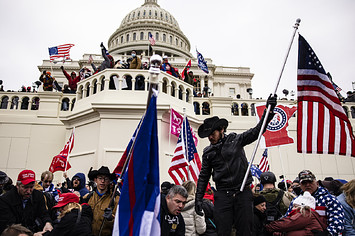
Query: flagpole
[[171, 115], [154, 71], [70, 143], [282, 167], [184, 130], [269, 108]]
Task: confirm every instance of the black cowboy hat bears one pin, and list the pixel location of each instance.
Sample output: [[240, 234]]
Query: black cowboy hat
[[211, 124], [104, 170]]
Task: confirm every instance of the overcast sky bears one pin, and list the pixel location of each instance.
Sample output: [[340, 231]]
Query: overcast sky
[[248, 33]]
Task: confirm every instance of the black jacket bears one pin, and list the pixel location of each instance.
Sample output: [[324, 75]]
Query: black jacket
[[211, 229], [67, 225], [171, 225], [12, 211], [226, 161], [259, 222]]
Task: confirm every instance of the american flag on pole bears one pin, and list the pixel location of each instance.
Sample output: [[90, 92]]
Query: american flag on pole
[[264, 163], [186, 164], [61, 51], [151, 39], [322, 125]]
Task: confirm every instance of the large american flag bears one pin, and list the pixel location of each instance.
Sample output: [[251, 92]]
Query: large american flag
[[61, 51], [322, 125], [151, 39], [264, 163], [186, 164]]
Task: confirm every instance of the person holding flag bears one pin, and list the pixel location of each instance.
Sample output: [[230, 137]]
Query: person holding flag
[[225, 160]]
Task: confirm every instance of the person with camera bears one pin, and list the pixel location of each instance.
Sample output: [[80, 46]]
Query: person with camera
[[24, 205], [47, 80], [225, 160]]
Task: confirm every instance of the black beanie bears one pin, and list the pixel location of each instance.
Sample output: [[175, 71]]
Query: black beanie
[[259, 199]]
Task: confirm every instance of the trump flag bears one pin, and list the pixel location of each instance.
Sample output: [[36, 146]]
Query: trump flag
[[60, 162], [277, 130], [139, 205]]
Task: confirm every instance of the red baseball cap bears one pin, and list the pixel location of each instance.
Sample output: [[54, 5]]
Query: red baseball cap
[[26, 177], [66, 198]]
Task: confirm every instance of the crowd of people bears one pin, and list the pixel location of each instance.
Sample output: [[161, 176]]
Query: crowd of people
[[304, 206]]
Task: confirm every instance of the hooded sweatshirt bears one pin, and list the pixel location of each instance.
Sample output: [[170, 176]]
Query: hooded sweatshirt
[[81, 188]]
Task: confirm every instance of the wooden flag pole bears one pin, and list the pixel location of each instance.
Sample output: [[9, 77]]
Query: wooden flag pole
[[269, 108]]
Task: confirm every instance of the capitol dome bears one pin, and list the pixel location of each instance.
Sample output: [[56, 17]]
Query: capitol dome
[[149, 18]]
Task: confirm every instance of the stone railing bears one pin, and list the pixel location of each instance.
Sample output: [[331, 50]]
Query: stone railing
[[134, 80]]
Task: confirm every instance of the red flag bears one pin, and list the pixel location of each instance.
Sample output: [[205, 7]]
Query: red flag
[[60, 161], [264, 163], [186, 164], [277, 130], [322, 125], [187, 68]]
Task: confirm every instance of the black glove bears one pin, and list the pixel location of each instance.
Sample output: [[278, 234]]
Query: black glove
[[198, 207], [272, 100], [62, 67], [108, 214], [102, 44]]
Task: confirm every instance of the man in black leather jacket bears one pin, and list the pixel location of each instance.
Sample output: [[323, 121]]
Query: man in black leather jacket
[[225, 160]]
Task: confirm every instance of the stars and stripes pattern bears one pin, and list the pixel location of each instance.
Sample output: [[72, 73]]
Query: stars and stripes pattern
[[185, 164], [255, 171], [151, 39], [336, 87], [322, 125], [264, 163], [329, 207], [61, 51]]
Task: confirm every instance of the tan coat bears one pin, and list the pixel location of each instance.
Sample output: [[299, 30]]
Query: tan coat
[[136, 63], [98, 205]]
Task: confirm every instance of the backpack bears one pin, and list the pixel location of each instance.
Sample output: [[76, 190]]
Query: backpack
[[273, 209]]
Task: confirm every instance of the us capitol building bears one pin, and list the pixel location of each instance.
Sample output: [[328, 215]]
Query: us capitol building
[[34, 127]]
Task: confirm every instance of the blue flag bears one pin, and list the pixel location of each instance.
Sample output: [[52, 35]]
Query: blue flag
[[202, 62], [138, 209]]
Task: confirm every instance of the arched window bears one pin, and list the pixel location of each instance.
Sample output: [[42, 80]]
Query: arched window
[[25, 103], [35, 103], [139, 84], [165, 86], [177, 42], [134, 36], [197, 108], [134, 13], [142, 36], [161, 14], [244, 109], [144, 13], [4, 102], [164, 37], [73, 103], [102, 84], [150, 12], [353, 112], [173, 89], [205, 108], [87, 90], [187, 95], [139, 13], [65, 104], [235, 110], [157, 36], [156, 13], [127, 38], [180, 92], [171, 39], [121, 39], [95, 87], [14, 103]]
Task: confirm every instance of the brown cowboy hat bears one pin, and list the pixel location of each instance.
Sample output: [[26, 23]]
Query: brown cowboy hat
[[211, 124]]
